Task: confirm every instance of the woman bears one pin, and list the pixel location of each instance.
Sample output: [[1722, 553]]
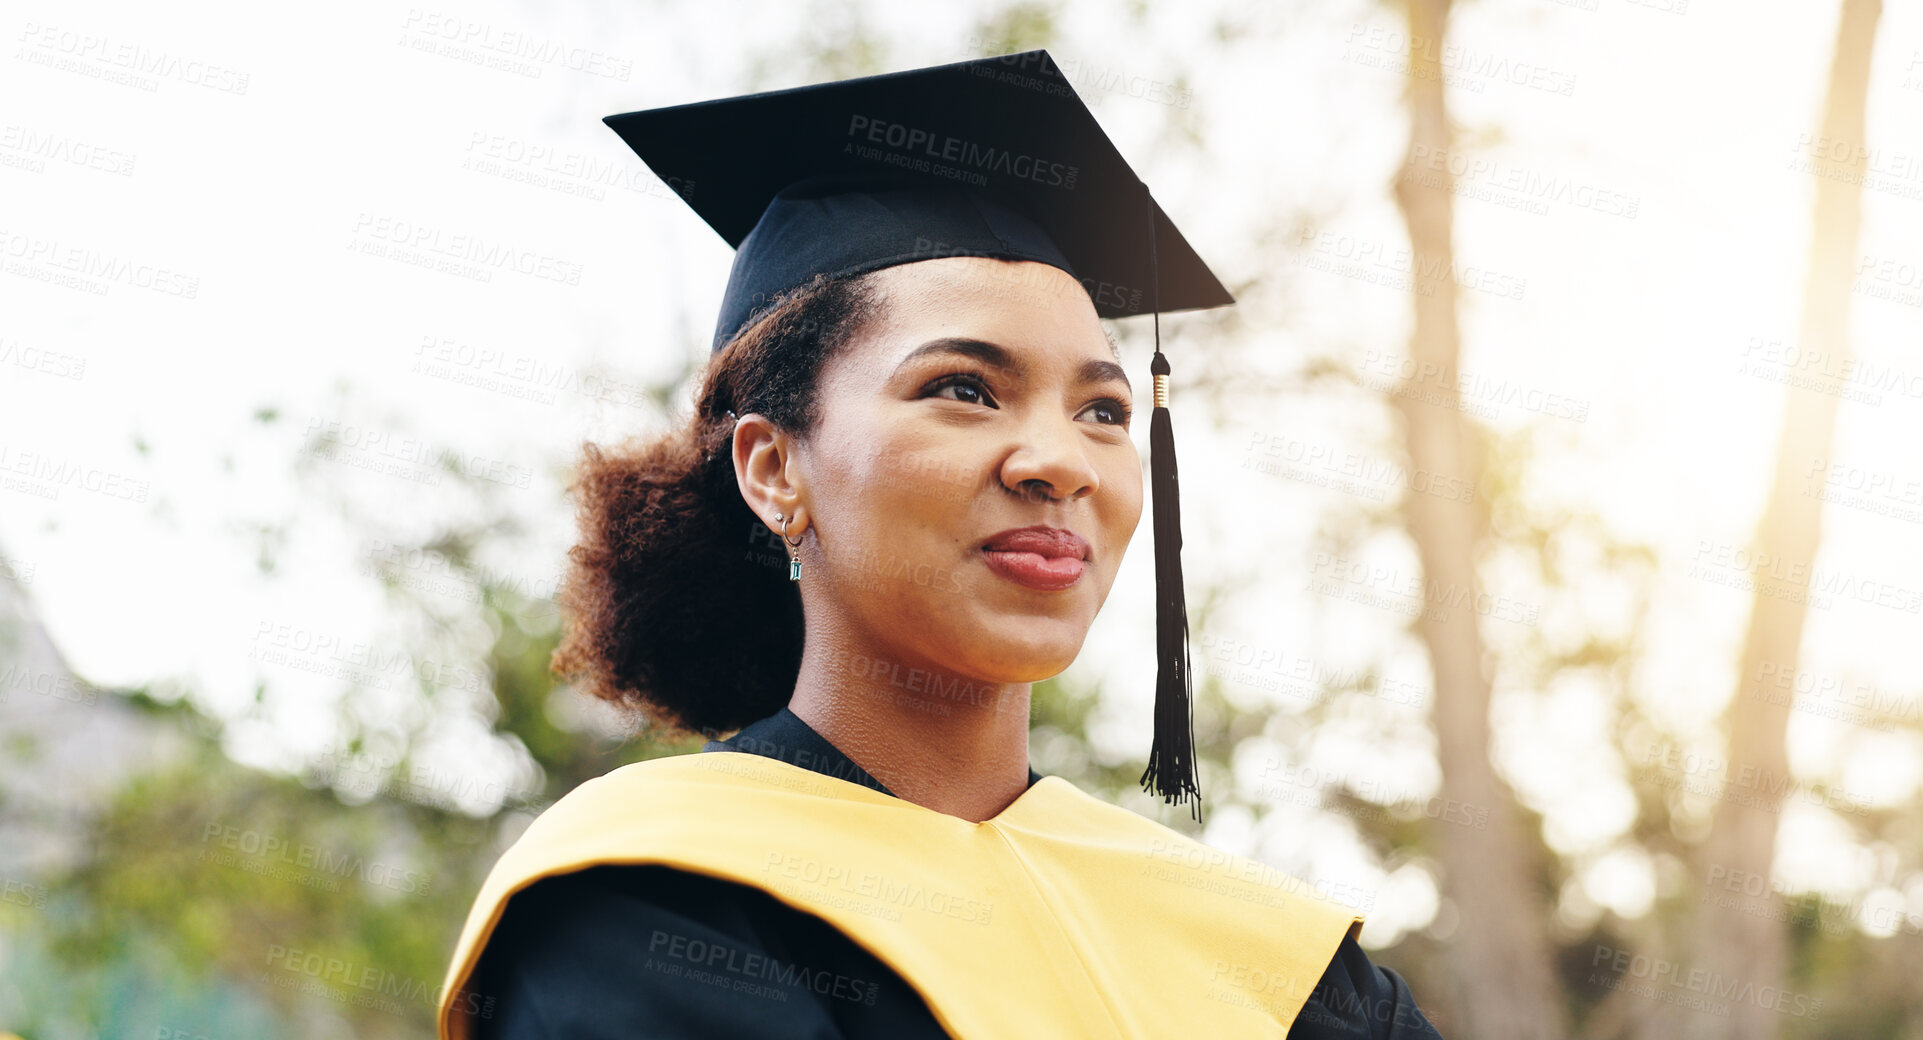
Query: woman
[[913, 391]]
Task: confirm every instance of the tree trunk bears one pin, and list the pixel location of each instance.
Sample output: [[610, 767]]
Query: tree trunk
[[1503, 976], [1748, 953]]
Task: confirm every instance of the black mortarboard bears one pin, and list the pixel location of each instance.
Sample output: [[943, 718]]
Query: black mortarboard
[[993, 157]]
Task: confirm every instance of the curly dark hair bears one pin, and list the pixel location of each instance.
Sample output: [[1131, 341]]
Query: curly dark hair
[[676, 601]]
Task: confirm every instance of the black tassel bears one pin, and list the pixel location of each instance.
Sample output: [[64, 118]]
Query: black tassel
[[1171, 757]]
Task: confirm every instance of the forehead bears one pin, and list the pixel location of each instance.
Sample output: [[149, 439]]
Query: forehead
[[1024, 305], [976, 276]]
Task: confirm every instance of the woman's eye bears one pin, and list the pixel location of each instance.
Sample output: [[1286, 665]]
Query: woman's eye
[[969, 383], [1118, 412], [966, 382]]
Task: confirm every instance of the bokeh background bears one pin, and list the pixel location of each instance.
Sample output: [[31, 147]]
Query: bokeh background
[[1554, 494]]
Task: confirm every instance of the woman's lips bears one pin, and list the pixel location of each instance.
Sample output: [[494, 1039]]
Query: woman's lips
[[1035, 570]]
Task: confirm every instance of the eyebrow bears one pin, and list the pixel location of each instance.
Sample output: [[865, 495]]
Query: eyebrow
[[995, 355]]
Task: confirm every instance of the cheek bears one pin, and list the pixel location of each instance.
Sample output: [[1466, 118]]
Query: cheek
[[1125, 509], [929, 474], [910, 492]]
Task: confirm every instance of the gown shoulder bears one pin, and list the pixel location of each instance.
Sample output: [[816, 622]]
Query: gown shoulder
[[592, 954], [1359, 998]]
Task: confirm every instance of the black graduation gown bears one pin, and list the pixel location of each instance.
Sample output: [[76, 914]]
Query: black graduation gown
[[570, 958]]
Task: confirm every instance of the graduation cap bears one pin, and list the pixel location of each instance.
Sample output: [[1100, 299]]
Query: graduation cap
[[994, 157]]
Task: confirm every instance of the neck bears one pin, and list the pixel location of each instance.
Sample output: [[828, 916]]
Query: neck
[[947, 743]]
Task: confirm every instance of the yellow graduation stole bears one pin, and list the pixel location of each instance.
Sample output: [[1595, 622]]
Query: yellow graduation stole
[[1061, 916]]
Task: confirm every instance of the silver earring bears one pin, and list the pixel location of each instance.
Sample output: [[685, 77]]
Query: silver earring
[[794, 560]]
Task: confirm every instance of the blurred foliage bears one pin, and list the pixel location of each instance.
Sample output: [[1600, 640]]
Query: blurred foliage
[[241, 875]]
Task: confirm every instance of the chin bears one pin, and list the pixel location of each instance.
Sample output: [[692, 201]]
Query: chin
[[1030, 647]]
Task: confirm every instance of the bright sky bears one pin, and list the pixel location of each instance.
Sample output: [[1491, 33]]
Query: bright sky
[[1631, 218]]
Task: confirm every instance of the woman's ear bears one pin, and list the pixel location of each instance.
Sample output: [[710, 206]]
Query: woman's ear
[[766, 469]]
